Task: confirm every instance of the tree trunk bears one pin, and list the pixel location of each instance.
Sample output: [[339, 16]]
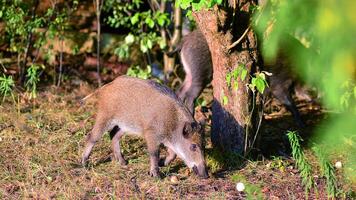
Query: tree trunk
[[230, 119], [177, 35]]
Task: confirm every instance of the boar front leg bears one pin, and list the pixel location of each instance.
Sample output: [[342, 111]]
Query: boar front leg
[[116, 134], [153, 150], [93, 137], [169, 158]]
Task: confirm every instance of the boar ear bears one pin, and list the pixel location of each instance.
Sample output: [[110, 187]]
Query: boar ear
[[190, 128]]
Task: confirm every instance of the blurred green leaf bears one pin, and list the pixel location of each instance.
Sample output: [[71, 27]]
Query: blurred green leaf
[[135, 18], [129, 39], [150, 22]]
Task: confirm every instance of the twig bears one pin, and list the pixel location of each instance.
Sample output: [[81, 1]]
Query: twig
[[162, 8], [60, 63], [249, 123], [2, 65], [28, 45], [98, 5], [239, 40], [259, 123]]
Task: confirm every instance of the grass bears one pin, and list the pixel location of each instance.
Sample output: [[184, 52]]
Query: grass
[[40, 154], [327, 170], [40, 159], [252, 191]]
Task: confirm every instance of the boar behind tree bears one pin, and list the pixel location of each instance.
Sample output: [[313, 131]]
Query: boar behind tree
[[197, 64], [151, 110], [196, 60]]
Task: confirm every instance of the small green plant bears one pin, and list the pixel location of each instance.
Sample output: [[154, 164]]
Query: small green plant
[[216, 160], [232, 78], [33, 76], [301, 161], [278, 163], [6, 86], [253, 191], [327, 171], [136, 71], [257, 83], [200, 102]]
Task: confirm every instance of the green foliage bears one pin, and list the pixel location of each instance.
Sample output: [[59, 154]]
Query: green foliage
[[217, 160], [259, 82], [200, 101], [327, 171], [197, 5], [301, 161], [233, 77], [143, 25], [239, 73], [253, 191], [33, 79], [6, 86], [327, 29], [136, 71], [26, 29], [278, 163], [18, 24]]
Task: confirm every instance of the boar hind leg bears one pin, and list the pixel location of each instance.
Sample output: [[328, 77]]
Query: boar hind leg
[[188, 95], [285, 98], [116, 134], [153, 150], [93, 137], [192, 94]]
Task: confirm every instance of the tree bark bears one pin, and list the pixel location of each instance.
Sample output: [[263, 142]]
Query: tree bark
[[230, 121]]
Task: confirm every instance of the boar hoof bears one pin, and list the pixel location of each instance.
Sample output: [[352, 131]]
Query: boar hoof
[[84, 162], [162, 162], [154, 173], [123, 162]]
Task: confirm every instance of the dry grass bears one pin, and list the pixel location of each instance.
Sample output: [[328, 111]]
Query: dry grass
[[41, 147], [40, 152]]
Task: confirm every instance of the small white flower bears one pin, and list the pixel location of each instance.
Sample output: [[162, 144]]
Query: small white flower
[[338, 164], [240, 187]]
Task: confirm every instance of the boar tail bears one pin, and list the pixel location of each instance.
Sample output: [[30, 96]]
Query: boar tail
[[82, 101]]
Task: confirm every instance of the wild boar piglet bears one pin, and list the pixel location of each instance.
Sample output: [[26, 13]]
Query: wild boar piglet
[[153, 111]]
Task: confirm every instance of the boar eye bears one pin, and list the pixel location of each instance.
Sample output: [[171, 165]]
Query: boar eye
[[193, 147]]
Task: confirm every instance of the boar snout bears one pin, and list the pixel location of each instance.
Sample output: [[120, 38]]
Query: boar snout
[[201, 171]]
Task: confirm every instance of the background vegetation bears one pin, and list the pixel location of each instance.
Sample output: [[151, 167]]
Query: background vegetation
[[49, 54]]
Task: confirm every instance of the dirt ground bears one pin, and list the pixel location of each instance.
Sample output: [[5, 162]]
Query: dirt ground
[[41, 143]]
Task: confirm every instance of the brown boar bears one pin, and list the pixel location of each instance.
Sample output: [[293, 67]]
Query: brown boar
[[149, 109], [196, 60]]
